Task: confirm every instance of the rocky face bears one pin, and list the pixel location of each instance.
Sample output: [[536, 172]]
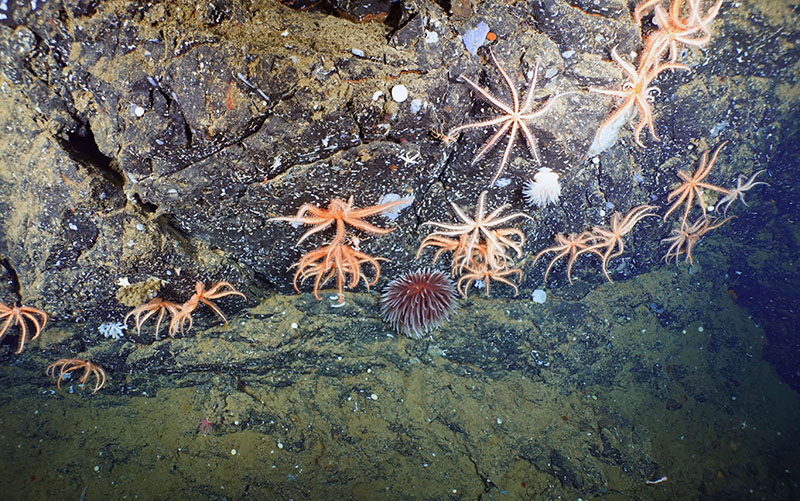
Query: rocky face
[[157, 141]]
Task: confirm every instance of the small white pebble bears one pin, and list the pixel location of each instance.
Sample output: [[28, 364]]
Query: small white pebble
[[294, 325], [280, 445], [357, 52], [373, 396], [138, 111], [233, 452], [399, 93], [700, 329], [377, 95], [96, 469], [596, 160], [416, 105]]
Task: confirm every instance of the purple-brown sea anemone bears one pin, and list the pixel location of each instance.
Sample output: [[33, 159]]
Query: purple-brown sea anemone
[[418, 302]]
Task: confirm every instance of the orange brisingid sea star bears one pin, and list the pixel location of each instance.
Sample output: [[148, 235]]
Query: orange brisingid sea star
[[204, 296], [566, 246], [340, 213], [685, 237], [337, 258], [637, 91], [515, 117], [72, 364], [738, 191], [473, 231], [608, 239], [156, 305], [480, 247], [19, 315], [671, 20], [694, 29], [692, 187], [673, 29], [478, 269]]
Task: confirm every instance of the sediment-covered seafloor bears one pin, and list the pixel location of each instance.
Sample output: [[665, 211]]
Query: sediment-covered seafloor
[[658, 377]]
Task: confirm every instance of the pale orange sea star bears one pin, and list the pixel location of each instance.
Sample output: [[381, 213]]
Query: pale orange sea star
[[515, 117]]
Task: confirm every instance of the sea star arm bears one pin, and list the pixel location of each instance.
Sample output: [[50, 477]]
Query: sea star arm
[[363, 225], [369, 211], [494, 139], [490, 222], [509, 83], [641, 8], [23, 329], [5, 326], [487, 123], [451, 230], [527, 102], [507, 152], [488, 96], [627, 67]]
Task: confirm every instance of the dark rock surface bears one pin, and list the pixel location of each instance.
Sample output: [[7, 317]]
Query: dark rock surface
[[157, 140]]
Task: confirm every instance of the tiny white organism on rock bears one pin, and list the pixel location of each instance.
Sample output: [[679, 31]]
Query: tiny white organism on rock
[[544, 189], [112, 329]]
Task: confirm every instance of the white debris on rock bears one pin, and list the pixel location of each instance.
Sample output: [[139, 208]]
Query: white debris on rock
[[475, 37], [392, 213], [608, 133]]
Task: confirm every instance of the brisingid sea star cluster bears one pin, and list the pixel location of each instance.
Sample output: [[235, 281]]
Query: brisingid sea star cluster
[[181, 314], [676, 27], [480, 245], [341, 256], [485, 247]]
